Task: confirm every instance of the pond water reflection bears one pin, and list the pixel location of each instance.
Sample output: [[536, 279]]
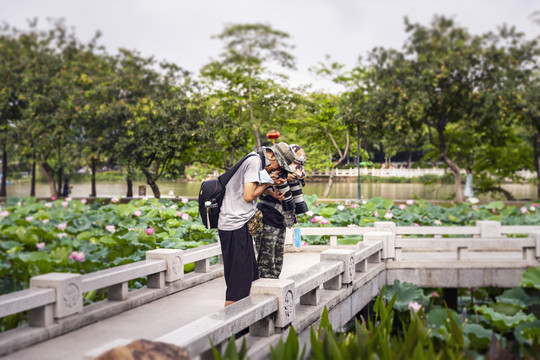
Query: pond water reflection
[[339, 190]]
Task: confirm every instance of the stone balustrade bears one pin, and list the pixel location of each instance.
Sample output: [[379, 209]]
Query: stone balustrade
[[271, 306], [55, 300]]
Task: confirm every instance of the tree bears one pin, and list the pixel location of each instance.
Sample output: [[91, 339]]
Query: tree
[[165, 124], [241, 71], [451, 84]]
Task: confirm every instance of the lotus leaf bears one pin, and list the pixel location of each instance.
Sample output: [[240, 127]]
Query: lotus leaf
[[438, 316], [79, 224], [498, 205], [531, 278], [33, 256], [527, 331], [479, 337], [172, 223], [327, 212], [60, 253], [406, 293], [192, 211], [107, 241], [517, 296], [501, 321], [507, 309]]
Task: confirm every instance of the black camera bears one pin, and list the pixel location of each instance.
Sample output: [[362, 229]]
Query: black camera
[[298, 197]]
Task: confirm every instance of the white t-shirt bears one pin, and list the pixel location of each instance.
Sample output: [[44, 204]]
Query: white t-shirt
[[235, 211]]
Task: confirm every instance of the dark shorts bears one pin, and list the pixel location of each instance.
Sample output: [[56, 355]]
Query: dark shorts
[[239, 263]]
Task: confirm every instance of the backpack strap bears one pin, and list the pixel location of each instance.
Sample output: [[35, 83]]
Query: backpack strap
[[226, 177]]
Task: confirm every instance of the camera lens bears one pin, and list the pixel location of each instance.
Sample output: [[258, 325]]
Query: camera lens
[[287, 202], [298, 197]]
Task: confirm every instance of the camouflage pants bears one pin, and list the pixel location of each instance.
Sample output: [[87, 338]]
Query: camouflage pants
[[269, 243]]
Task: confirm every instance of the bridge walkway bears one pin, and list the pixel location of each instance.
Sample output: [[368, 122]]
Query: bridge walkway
[[151, 320]]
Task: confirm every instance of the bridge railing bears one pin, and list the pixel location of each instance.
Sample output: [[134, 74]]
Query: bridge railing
[[400, 239], [271, 306], [54, 299]]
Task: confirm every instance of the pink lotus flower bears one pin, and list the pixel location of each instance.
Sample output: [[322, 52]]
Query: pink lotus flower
[[84, 201], [474, 207], [61, 226], [44, 221], [150, 231], [48, 204], [185, 216], [29, 218], [137, 213], [77, 256], [388, 215], [53, 198], [310, 213], [324, 222], [494, 211], [376, 213], [65, 204], [414, 306], [170, 193], [341, 207], [110, 228], [40, 245], [532, 208], [524, 210], [364, 202], [303, 243], [185, 200], [353, 206], [409, 202], [313, 220], [61, 235], [114, 200], [437, 222], [4, 213], [435, 294], [534, 205], [416, 224], [402, 206]]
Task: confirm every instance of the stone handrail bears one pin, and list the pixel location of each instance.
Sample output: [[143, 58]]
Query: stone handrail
[[194, 337], [54, 297], [482, 229], [272, 302]]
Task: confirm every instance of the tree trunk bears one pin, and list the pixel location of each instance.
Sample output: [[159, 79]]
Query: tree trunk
[[33, 181], [251, 117], [49, 174], [60, 175], [457, 177], [129, 187], [536, 152], [3, 187], [151, 181], [329, 184], [93, 170], [409, 160]]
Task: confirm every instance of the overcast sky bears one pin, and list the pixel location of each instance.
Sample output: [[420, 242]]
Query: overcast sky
[[181, 30]]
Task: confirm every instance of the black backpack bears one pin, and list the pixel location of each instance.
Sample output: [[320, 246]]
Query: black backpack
[[213, 191]]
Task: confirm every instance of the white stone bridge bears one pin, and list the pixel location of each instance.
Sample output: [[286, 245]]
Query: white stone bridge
[[187, 309]]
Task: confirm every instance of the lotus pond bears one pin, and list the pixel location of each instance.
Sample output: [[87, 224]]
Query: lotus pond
[[65, 235]]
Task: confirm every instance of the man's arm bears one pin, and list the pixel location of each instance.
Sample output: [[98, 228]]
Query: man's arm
[[254, 190]]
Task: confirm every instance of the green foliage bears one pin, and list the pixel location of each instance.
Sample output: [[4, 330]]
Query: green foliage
[[531, 278], [230, 353]]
